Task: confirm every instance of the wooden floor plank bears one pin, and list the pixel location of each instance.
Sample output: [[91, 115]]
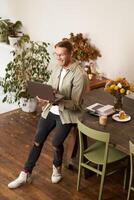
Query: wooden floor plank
[[17, 130]]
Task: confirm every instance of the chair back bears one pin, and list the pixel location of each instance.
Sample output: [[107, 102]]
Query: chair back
[[95, 135]]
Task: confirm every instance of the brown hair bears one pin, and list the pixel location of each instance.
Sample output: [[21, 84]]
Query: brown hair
[[65, 44]]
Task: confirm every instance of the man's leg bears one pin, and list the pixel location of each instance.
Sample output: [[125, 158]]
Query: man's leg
[[44, 128], [60, 134]]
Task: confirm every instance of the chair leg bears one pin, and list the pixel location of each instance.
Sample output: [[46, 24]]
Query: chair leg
[[129, 189], [130, 173], [125, 179], [127, 176], [101, 185], [128, 196], [79, 177], [98, 167]]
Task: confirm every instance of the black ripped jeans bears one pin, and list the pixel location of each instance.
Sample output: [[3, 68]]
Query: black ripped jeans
[[45, 126]]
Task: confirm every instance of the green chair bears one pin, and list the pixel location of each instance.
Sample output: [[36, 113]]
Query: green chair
[[97, 155], [131, 181]]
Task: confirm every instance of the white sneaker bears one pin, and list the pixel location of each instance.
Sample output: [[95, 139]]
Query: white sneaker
[[56, 175], [20, 180]]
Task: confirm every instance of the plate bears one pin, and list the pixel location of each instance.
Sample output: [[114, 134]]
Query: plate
[[116, 118]]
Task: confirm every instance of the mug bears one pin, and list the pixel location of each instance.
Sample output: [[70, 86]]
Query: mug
[[103, 120]]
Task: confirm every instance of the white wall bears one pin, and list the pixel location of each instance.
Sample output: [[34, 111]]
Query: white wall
[[109, 24], [5, 58]]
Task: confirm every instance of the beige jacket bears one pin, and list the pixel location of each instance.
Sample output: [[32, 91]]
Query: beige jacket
[[73, 87]]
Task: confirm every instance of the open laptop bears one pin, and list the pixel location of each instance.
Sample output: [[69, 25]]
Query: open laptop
[[43, 91]]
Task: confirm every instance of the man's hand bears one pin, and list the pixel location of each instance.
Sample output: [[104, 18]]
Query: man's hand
[[42, 102]]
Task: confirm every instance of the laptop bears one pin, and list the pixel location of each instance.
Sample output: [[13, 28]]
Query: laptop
[[43, 91]]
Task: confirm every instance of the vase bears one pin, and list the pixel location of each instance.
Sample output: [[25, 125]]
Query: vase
[[118, 103], [28, 105]]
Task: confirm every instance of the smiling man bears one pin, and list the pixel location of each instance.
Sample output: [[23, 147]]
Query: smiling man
[[69, 79]]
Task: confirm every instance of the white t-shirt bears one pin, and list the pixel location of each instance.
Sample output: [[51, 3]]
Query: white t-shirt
[[55, 109]]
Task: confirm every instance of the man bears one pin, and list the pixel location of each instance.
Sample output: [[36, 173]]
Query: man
[[69, 79]]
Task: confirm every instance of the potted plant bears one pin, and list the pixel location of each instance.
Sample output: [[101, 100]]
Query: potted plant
[[30, 62], [14, 32], [9, 30], [84, 51], [4, 30]]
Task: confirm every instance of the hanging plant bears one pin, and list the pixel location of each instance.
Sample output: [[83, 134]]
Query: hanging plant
[[9, 28]]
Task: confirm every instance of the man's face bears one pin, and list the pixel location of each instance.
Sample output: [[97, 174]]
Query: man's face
[[63, 56]]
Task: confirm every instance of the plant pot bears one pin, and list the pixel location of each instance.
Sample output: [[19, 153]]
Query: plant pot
[[28, 105], [13, 40]]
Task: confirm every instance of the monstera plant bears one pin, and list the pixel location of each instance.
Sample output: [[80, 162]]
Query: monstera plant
[[30, 62]]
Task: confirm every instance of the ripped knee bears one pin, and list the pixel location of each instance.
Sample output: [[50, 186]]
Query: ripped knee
[[37, 144]]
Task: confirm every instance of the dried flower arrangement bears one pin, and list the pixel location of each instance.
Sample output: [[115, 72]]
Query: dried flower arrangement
[[83, 49]]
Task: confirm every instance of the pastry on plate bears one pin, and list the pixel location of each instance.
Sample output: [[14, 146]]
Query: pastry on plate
[[122, 115]]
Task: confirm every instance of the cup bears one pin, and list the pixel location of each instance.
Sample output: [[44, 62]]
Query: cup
[[103, 120]]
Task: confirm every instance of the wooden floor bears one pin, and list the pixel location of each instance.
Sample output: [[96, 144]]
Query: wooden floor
[[16, 136]]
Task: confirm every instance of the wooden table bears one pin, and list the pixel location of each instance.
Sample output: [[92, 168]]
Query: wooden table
[[120, 132], [97, 83]]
